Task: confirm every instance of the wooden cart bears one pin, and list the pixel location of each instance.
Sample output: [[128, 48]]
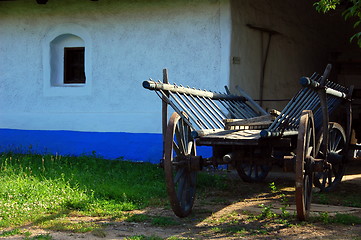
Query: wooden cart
[[300, 137]]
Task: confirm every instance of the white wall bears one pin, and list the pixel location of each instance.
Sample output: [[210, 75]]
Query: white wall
[[130, 42]]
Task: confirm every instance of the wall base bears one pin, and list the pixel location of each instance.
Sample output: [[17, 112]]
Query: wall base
[[144, 147]]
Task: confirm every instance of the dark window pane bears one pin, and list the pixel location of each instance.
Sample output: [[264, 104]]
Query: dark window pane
[[74, 65]]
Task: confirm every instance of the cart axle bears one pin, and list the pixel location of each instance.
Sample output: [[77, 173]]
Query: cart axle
[[315, 164]]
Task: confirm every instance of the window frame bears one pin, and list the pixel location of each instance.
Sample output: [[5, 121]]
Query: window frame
[[69, 74]]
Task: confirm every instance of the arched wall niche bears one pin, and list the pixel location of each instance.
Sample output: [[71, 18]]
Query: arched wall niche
[[55, 43]]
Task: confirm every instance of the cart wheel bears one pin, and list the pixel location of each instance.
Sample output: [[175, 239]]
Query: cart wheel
[[304, 173], [252, 172], [180, 180], [328, 179]]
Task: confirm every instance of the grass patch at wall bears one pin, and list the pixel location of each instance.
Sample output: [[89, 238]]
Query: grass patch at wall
[[45, 189], [39, 188]]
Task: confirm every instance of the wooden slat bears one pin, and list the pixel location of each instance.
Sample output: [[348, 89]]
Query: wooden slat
[[231, 137], [152, 85], [241, 138], [236, 135], [261, 120], [256, 126]]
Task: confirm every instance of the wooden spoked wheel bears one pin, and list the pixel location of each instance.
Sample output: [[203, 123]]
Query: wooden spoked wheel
[[330, 177], [253, 172], [304, 173], [179, 148]]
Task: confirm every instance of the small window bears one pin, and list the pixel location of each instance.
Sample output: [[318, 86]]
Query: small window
[[74, 65]]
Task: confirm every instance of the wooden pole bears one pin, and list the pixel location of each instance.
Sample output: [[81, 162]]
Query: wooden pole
[[164, 107]]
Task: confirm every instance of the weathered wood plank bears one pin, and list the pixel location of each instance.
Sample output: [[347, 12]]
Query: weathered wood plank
[[234, 134], [152, 85], [260, 120], [164, 106], [231, 137]]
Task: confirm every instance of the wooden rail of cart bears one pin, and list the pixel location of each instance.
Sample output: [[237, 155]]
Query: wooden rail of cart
[[300, 137]]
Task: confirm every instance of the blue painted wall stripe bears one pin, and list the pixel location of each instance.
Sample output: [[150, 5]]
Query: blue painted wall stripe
[[146, 147]]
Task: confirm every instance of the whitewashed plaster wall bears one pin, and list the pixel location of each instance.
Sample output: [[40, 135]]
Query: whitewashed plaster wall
[[305, 45], [131, 41]]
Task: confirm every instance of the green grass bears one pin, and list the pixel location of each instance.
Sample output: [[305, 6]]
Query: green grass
[[164, 222], [345, 199], [158, 221], [44, 188], [339, 218], [239, 230], [138, 218], [39, 237], [142, 237], [12, 232]]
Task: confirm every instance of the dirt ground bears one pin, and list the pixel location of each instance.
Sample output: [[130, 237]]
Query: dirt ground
[[226, 216]]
